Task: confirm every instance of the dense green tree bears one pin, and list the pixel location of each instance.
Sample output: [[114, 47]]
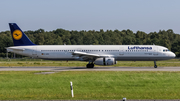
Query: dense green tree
[[176, 48], [58, 41]]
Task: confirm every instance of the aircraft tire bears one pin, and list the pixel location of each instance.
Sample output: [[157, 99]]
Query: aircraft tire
[[87, 66], [90, 66], [155, 66]]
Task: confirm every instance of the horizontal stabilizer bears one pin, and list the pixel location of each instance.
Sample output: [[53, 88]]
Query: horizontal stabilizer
[[9, 49]]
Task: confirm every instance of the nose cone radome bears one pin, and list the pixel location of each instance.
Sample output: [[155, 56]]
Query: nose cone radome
[[172, 55]]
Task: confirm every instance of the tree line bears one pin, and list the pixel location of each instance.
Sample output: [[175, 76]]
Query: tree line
[[109, 37]]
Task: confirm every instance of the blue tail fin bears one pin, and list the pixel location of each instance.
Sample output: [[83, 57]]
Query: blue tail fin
[[19, 38]]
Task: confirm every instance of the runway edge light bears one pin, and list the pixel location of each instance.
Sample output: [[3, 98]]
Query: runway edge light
[[71, 86]]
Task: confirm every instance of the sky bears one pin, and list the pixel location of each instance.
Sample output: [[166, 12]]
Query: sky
[[136, 15]]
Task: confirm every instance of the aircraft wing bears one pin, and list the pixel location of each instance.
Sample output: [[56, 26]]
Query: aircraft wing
[[84, 54], [87, 56]]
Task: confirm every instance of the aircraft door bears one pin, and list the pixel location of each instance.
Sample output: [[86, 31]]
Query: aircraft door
[[79, 49], [121, 51], [155, 51], [34, 52]]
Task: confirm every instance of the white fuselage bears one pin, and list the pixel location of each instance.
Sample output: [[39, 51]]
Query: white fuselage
[[119, 52]]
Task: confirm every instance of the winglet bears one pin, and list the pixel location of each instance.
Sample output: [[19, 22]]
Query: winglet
[[18, 36]]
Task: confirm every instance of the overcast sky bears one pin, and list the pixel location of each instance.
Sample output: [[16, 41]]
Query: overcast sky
[[142, 15]]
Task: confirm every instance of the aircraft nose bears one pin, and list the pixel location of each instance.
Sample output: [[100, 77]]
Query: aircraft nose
[[173, 55]]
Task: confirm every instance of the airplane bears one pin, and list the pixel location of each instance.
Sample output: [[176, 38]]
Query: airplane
[[95, 54]]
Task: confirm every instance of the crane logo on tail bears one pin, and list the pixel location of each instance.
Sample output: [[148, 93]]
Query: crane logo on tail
[[17, 34]]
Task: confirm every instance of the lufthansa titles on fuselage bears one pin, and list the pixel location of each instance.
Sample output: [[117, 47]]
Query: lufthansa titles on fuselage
[[137, 47]]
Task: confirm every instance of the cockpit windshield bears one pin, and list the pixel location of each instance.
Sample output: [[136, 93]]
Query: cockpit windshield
[[166, 50]]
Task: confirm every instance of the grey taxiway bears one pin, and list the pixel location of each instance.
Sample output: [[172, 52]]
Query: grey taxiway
[[89, 69]]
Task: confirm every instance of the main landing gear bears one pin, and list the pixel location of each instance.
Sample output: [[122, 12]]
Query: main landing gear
[[155, 66], [90, 65]]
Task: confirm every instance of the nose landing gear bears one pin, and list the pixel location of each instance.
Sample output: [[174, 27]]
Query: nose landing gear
[[155, 66]]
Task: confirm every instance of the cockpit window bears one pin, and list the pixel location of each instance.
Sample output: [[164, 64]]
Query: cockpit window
[[165, 50]]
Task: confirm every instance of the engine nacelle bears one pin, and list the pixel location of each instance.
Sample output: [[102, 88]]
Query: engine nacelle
[[105, 61]]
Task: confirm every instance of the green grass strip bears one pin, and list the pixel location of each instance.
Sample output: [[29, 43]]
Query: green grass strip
[[39, 62], [26, 85]]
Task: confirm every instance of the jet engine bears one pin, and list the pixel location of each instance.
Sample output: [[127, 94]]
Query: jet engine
[[105, 61]]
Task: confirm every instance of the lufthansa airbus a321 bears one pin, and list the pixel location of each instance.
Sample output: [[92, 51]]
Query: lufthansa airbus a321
[[95, 54]]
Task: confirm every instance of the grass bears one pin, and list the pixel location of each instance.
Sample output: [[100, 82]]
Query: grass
[[39, 62], [26, 85]]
